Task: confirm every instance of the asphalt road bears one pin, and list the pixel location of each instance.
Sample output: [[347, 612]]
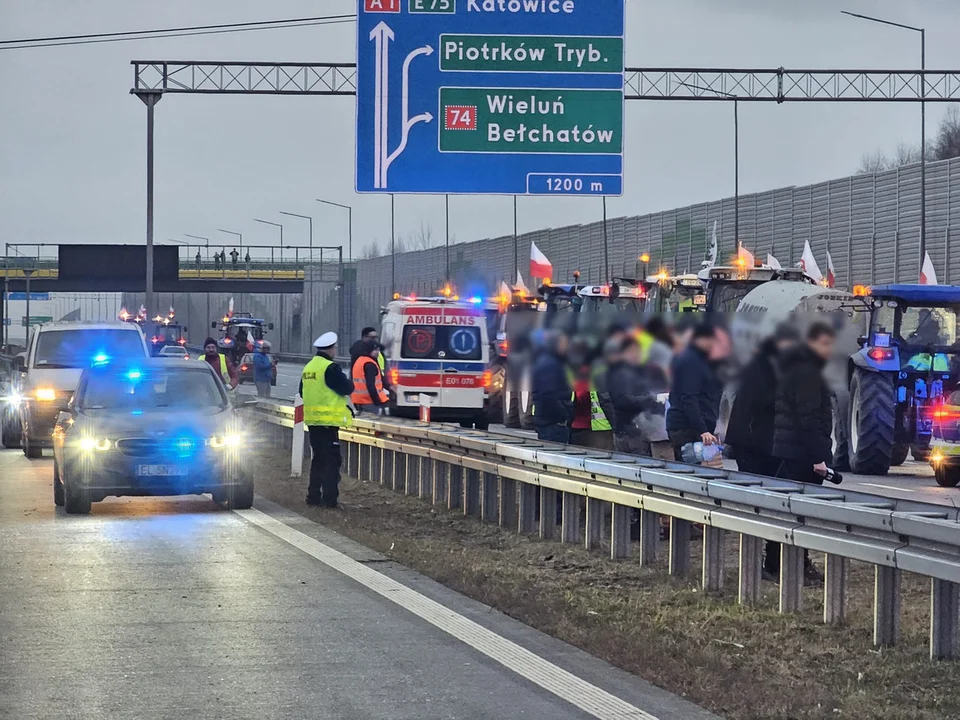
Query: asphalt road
[[160, 608]]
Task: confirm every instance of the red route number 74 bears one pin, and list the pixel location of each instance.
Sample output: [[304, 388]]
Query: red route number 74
[[460, 117]]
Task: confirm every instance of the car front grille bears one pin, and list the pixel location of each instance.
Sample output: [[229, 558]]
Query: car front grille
[[139, 447]]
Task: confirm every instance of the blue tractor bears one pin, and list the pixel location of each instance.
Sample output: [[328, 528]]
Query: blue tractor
[[907, 362]]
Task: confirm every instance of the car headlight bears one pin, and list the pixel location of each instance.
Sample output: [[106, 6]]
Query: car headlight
[[13, 398], [227, 440], [45, 394], [89, 444]]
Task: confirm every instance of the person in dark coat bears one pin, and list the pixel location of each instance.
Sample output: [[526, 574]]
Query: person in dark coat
[[631, 395], [359, 348], [695, 392], [552, 403], [803, 424], [750, 428]]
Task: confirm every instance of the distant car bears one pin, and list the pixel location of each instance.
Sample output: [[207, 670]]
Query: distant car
[[56, 355], [150, 427], [174, 351], [246, 369]]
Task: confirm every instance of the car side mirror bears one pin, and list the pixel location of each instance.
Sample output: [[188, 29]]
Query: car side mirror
[[270, 326]]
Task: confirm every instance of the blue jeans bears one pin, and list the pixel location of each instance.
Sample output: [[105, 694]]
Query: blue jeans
[[554, 433]]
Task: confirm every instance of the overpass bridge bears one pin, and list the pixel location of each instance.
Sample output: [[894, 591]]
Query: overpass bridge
[[177, 268]]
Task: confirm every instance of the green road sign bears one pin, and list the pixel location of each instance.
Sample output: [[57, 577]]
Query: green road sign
[[524, 120], [35, 320], [531, 54]]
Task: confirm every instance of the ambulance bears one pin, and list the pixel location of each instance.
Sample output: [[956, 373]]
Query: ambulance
[[438, 353]]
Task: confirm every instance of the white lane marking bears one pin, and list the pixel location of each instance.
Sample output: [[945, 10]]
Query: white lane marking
[[887, 487], [589, 698]]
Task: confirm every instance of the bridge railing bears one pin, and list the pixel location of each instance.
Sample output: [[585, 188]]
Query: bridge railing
[[506, 479]]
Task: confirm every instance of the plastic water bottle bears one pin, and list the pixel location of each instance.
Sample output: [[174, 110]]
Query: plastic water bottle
[[696, 452]]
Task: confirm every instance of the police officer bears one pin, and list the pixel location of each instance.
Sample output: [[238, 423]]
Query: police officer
[[325, 390]]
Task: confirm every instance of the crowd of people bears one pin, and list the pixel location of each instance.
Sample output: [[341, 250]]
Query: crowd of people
[[654, 389]]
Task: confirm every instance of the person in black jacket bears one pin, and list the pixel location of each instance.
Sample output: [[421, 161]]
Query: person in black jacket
[[750, 428], [803, 424], [631, 395], [695, 393], [552, 403]]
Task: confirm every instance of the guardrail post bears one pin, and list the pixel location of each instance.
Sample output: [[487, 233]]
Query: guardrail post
[[488, 497], [679, 560], [570, 522], [548, 513], [376, 464], [594, 533], [649, 536], [471, 492], [528, 508], [353, 459], [751, 560], [412, 486], [387, 471], [834, 589], [886, 606], [441, 484], [944, 605], [619, 531], [507, 502], [399, 480], [455, 487], [791, 578], [713, 558], [364, 471], [426, 477]]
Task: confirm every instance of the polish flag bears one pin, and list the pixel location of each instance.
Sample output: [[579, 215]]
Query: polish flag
[[928, 276], [808, 263], [772, 262], [831, 272], [744, 257], [521, 285], [505, 292], [711, 258], [230, 308], [540, 267]]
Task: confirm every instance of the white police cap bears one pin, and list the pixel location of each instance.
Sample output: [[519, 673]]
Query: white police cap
[[328, 339]]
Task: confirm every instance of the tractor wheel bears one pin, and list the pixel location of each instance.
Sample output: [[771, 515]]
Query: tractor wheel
[[840, 438], [899, 455], [872, 420], [921, 453]]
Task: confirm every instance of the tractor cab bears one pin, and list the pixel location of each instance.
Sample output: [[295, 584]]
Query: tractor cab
[[623, 295], [675, 293]]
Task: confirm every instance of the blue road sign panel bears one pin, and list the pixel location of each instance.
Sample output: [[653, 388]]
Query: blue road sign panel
[[43, 296], [508, 97]]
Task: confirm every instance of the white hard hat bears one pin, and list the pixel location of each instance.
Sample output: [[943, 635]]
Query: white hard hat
[[328, 339]]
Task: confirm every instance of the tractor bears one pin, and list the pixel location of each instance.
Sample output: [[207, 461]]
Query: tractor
[[907, 363]]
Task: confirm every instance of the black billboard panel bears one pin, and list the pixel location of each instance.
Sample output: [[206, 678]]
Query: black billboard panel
[[117, 265]]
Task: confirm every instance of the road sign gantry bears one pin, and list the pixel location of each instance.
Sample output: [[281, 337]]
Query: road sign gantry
[[506, 97]]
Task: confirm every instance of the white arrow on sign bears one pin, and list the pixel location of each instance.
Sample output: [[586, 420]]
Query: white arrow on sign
[[382, 35], [408, 122]]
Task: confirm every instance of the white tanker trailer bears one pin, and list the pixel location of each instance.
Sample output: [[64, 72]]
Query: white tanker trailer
[[779, 301]]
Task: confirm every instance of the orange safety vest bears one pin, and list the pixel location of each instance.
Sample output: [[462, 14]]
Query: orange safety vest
[[361, 396]]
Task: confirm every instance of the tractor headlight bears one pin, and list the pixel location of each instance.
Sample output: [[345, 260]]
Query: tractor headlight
[[89, 444], [45, 394], [226, 440]]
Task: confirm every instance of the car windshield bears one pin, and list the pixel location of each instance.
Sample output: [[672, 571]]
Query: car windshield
[[184, 388], [173, 351], [727, 295], [919, 326], [81, 347]]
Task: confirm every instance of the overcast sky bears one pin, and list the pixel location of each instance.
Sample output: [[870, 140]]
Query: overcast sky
[[72, 139]]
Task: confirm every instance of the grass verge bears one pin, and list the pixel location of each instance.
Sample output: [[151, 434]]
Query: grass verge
[[736, 662]]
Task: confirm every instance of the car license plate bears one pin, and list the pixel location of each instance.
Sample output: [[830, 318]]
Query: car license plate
[[699, 299], [162, 470]]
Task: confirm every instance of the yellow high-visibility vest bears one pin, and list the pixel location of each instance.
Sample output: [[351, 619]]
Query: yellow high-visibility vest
[[321, 405], [224, 371]]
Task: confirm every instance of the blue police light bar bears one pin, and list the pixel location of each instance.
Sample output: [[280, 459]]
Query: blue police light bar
[[134, 375], [101, 359], [476, 300]]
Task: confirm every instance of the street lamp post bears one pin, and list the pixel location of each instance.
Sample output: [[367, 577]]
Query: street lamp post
[[923, 120], [235, 234], [276, 225], [736, 157], [349, 210], [308, 278]]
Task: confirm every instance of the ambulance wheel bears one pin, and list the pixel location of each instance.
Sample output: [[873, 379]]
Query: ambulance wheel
[[899, 455], [947, 476]]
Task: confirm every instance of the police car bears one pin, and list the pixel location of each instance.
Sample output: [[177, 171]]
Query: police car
[[438, 351]]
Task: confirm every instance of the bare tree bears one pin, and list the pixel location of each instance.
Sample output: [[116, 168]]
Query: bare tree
[[371, 251], [947, 144], [422, 239], [874, 162], [906, 154]]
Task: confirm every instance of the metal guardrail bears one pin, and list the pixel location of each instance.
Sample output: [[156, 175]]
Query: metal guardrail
[[498, 477]]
